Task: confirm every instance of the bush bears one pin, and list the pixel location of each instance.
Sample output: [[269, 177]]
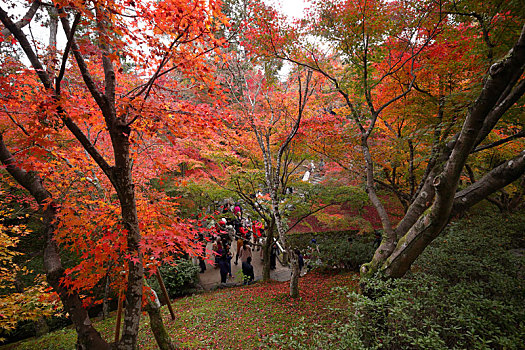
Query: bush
[[347, 254], [180, 279], [425, 312], [340, 251]]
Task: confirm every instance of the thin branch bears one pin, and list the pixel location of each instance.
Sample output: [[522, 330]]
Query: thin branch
[[26, 46], [500, 142], [66, 53], [307, 215], [86, 76]]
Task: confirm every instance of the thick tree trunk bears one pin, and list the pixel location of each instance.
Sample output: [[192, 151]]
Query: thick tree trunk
[[267, 251], [126, 193], [105, 300], [389, 238], [418, 228], [288, 254]]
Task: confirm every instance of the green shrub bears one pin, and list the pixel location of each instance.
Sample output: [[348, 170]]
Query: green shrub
[[425, 312], [341, 252], [180, 279]]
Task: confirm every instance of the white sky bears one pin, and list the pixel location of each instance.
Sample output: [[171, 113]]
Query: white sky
[[295, 10], [292, 8]]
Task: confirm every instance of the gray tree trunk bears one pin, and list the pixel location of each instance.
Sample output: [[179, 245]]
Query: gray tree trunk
[[267, 251], [294, 281]]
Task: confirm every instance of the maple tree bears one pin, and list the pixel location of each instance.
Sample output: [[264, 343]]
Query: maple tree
[[423, 98], [370, 44], [107, 122], [444, 86], [273, 118]]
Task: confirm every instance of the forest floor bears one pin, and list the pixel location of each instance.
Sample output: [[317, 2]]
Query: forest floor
[[246, 317]]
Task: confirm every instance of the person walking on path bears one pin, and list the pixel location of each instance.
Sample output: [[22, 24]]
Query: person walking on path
[[237, 210], [229, 260], [246, 252], [247, 271], [240, 243], [223, 267], [202, 264], [273, 257]]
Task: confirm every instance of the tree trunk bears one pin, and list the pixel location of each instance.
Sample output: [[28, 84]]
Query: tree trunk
[[267, 250], [266, 257], [105, 300], [294, 281], [389, 238], [288, 253], [126, 193], [156, 323], [418, 228]]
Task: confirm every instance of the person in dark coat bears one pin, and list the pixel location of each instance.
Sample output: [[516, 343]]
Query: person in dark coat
[[229, 260], [247, 271], [202, 264], [223, 267], [273, 257]]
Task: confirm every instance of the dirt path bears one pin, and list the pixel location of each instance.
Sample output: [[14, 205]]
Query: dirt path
[[212, 277]]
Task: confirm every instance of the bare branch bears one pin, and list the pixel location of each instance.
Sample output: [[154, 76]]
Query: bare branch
[[66, 53], [86, 76], [500, 142]]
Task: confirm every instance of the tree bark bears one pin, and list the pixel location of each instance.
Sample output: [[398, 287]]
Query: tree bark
[[105, 300], [389, 238], [126, 194], [156, 323], [267, 250], [294, 280]]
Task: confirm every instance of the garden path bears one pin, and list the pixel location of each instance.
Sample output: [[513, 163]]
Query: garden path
[[212, 277]]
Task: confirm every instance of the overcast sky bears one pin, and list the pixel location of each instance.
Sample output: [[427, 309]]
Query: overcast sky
[[293, 8]]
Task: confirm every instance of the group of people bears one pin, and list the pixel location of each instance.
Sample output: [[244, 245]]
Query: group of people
[[238, 229], [223, 259]]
